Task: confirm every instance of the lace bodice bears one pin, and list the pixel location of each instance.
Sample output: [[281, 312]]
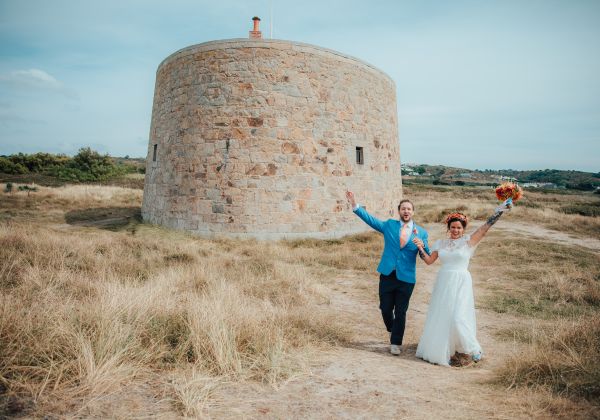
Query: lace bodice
[[455, 254]]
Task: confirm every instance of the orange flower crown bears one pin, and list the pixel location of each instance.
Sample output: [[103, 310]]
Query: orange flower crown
[[456, 216], [508, 190]]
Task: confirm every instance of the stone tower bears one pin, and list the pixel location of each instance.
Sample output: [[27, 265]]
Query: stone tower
[[261, 138]]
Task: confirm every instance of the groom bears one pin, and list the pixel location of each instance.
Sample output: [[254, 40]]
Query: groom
[[397, 267]]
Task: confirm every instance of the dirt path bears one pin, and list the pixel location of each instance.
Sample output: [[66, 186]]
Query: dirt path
[[363, 380], [539, 232]]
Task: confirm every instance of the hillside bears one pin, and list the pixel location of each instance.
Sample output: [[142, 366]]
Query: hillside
[[547, 178], [89, 166]]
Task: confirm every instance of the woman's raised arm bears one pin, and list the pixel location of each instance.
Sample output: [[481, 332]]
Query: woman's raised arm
[[483, 229]]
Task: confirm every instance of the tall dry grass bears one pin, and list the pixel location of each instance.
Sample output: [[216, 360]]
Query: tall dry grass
[[93, 312], [87, 313], [557, 285], [540, 279], [554, 210], [564, 358]]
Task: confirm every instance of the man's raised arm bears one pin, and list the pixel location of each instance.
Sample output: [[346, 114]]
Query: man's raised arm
[[374, 222]]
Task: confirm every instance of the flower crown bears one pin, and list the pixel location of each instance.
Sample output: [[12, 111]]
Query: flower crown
[[456, 216]]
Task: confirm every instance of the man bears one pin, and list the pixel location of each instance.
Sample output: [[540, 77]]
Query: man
[[397, 267]]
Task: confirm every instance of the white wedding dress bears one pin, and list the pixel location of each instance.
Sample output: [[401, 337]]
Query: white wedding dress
[[450, 324]]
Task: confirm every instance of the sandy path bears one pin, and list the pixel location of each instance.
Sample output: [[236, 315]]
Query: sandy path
[[363, 380], [539, 232]]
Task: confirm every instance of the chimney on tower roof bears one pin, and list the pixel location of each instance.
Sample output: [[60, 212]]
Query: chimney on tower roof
[[255, 33]]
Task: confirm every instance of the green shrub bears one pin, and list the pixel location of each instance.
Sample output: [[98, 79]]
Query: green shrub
[[27, 188], [9, 167], [86, 166], [587, 209], [37, 162]]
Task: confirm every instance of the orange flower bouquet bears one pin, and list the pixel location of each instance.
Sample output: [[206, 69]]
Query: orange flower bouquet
[[508, 190]]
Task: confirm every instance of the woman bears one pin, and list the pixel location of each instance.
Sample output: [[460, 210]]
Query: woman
[[450, 324]]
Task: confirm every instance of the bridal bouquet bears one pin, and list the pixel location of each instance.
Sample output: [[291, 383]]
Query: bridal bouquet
[[508, 190]]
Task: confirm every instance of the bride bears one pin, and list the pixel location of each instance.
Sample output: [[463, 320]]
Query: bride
[[450, 324]]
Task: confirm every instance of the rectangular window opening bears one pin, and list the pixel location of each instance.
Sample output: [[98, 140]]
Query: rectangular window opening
[[154, 153], [360, 157]]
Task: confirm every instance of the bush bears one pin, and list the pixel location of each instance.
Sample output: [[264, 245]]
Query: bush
[[9, 167], [37, 162], [590, 210], [28, 188], [582, 186], [87, 165]]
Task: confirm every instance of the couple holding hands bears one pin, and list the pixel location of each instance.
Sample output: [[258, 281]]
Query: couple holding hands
[[450, 325]]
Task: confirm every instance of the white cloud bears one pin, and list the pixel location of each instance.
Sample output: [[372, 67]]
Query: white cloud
[[35, 78]]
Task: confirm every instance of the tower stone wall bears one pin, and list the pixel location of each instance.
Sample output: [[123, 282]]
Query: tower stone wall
[[261, 138]]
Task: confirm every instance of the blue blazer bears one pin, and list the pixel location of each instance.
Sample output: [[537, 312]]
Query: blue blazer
[[403, 260]]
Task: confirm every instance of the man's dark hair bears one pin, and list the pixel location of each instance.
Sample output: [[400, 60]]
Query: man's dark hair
[[406, 200]]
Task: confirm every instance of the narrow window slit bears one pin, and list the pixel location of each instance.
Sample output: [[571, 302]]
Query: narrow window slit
[[360, 158]]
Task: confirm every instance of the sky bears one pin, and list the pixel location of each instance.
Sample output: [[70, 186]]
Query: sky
[[492, 84]]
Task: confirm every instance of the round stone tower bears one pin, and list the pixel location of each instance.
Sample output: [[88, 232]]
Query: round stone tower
[[261, 138]]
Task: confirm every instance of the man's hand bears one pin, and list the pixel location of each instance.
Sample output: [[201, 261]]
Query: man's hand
[[351, 199], [422, 253]]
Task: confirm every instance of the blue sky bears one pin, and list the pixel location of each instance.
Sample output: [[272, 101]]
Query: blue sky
[[480, 84]]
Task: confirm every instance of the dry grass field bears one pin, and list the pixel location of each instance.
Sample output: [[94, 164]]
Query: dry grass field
[[103, 316]]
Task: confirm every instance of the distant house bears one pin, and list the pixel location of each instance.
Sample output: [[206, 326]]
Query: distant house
[[505, 178], [408, 169], [539, 185], [466, 175]]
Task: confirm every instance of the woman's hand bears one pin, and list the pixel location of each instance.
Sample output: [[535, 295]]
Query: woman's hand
[[505, 206], [418, 242]]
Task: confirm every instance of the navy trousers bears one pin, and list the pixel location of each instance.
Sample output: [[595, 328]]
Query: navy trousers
[[394, 296]]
